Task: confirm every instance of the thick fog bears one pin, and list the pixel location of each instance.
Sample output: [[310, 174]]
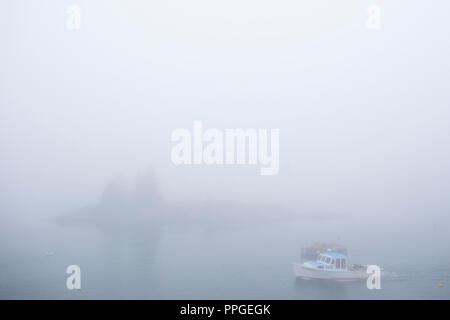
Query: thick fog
[[86, 116]]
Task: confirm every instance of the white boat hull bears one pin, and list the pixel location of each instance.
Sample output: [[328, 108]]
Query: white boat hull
[[303, 272]]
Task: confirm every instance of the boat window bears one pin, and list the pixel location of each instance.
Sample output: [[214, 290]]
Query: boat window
[[338, 263], [332, 261], [328, 260], [343, 264]]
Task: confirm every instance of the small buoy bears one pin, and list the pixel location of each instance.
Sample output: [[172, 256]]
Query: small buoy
[[441, 285]]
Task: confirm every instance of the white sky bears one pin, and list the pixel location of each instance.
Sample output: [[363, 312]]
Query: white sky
[[363, 115]]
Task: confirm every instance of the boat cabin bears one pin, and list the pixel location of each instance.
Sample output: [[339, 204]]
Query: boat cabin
[[332, 260], [312, 252]]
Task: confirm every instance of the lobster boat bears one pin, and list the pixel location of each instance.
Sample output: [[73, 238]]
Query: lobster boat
[[328, 262]]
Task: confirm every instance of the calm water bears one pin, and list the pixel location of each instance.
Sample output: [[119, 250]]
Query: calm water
[[210, 262]]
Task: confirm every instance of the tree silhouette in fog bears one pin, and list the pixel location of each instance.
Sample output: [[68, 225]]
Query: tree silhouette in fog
[[145, 195], [114, 198], [143, 198]]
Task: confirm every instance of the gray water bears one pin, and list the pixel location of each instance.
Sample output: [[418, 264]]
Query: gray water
[[251, 261]]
